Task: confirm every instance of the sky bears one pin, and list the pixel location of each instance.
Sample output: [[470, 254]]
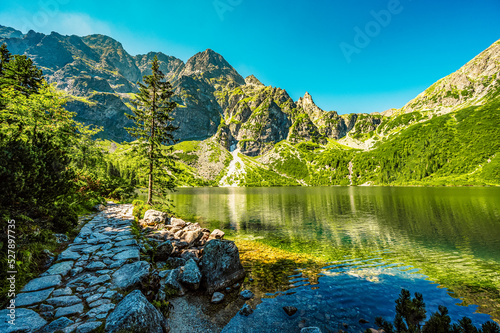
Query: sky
[[351, 56]]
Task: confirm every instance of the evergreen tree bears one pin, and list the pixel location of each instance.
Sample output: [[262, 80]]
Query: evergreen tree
[[153, 128], [20, 73]]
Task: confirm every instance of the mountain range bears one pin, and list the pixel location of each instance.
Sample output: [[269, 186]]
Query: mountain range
[[237, 131]]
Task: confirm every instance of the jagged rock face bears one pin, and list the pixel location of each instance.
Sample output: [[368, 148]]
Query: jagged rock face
[[168, 65], [211, 65], [473, 84], [214, 100]]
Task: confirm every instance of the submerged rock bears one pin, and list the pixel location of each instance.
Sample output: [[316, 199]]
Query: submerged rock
[[220, 265]]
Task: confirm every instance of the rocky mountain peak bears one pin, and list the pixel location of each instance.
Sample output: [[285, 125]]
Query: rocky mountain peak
[[473, 84], [211, 65], [251, 80], [8, 32], [308, 105]]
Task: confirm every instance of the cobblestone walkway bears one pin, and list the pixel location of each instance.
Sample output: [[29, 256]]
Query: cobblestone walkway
[[77, 293]]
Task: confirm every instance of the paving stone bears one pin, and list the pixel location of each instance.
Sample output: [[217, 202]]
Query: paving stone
[[88, 327], [61, 268], [76, 309], [91, 249], [95, 266], [99, 302], [110, 294], [43, 283], [93, 298], [117, 263], [100, 279], [130, 276], [62, 301], [126, 243], [62, 292], [26, 321], [75, 271], [46, 307], [56, 325], [129, 254], [68, 254], [102, 289], [26, 299]]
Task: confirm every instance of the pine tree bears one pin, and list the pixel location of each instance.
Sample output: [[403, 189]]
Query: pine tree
[[153, 128]]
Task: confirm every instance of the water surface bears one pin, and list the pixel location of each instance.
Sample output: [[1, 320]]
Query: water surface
[[446, 237]]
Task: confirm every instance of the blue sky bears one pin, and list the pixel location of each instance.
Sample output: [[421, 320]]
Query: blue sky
[[351, 55]]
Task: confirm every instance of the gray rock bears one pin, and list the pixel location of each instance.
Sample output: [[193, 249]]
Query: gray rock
[[220, 265], [134, 313], [93, 298], [68, 254], [155, 217], [126, 243], [175, 262], [25, 321], [100, 279], [88, 327], [76, 309], [27, 299], [246, 294], [75, 271], [191, 275], [56, 325], [171, 280], [110, 294], [130, 276], [192, 236], [217, 234], [310, 330], [217, 297], [99, 303], [246, 310], [103, 309], [177, 222], [102, 289], [164, 250], [95, 266], [43, 283], [132, 253], [91, 249], [61, 268], [62, 292], [63, 301]]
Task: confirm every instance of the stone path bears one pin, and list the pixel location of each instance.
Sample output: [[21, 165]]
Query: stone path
[[80, 290]]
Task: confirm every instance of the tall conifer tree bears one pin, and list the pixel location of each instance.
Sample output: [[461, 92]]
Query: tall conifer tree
[[153, 128]]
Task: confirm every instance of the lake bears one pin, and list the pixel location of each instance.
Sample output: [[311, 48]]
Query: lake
[[370, 242]]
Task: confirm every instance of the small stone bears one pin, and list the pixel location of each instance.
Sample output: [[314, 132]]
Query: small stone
[[363, 321], [95, 266], [46, 307], [75, 271], [62, 292], [246, 310], [310, 330], [126, 242], [217, 297], [164, 250], [110, 294], [246, 294], [88, 327], [56, 325], [99, 303], [102, 289], [290, 310], [132, 253], [68, 254], [63, 301], [93, 298], [70, 310], [100, 279], [217, 234]]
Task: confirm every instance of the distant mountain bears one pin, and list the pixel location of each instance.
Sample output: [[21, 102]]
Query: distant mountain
[[237, 131], [100, 77]]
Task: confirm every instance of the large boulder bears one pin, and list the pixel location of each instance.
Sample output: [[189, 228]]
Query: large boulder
[[220, 265], [153, 217], [131, 275], [135, 314]]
